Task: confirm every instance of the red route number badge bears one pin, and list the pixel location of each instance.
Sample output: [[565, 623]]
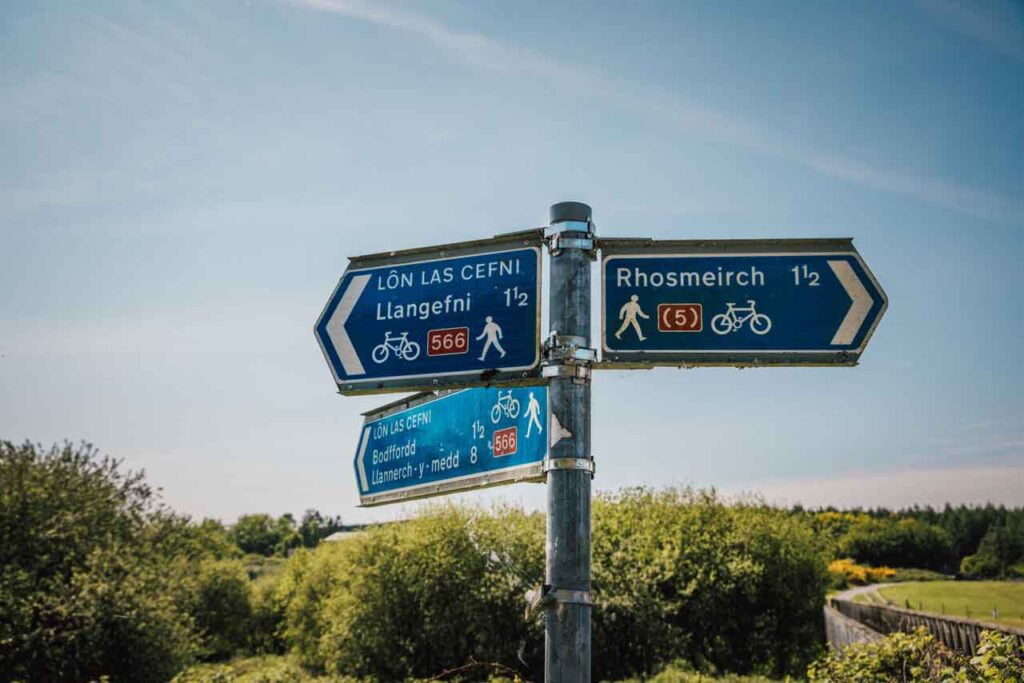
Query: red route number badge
[[506, 441], [448, 341], [680, 318]]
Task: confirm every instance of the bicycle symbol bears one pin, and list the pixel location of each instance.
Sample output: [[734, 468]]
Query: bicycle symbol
[[399, 344], [507, 405], [731, 321]]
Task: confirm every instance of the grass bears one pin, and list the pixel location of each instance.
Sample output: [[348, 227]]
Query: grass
[[870, 598], [903, 574], [974, 599]]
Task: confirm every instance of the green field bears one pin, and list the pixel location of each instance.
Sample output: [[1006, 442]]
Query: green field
[[974, 599]]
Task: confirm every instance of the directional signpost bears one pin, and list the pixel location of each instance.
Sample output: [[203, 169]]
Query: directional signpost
[[467, 439], [737, 302], [468, 315], [428, 318]]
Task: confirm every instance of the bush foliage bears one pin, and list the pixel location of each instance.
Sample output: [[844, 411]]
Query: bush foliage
[[918, 658], [96, 579], [675, 574], [85, 590], [417, 598], [846, 572], [728, 588]]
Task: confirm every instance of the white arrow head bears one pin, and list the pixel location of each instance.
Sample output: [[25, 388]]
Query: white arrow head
[[336, 327], [363, 485], [860, 307]]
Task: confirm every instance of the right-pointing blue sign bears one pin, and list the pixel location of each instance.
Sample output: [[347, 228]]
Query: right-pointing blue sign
[[778, 302]]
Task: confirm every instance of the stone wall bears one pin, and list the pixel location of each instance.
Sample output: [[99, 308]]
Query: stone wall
[[841, 630]]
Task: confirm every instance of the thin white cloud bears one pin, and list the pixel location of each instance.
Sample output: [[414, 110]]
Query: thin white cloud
[[896, 488], [487, 53], [998, 25]]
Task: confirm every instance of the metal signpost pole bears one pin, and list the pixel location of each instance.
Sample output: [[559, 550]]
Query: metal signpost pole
[[447, 316], [570, 465]]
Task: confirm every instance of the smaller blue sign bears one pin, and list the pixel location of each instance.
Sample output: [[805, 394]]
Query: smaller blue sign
[[464, 440]]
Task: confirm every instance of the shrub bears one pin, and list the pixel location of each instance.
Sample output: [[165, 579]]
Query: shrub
[[221, 608], [414, 599], [678, 574], [846, 572], [85, 589], [918, 658], [910, 574], [268, 612]]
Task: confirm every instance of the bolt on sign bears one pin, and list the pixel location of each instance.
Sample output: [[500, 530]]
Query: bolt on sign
[[464, 314], [736, 302]]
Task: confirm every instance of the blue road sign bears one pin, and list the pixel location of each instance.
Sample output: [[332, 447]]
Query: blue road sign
[[404, 321], [463, 440], [781, 302]]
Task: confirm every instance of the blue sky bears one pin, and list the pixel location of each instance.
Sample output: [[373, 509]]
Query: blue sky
[[181, 184]]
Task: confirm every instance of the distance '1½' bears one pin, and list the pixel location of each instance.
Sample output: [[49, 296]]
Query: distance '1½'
[[802, 273], [514, 296]]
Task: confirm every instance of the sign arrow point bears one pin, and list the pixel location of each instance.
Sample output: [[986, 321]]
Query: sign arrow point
[[860, 306], [336, 326], [360, 465]]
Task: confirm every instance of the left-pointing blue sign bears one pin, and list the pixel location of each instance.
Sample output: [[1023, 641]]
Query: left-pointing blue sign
[[462, 319], [463, 440]]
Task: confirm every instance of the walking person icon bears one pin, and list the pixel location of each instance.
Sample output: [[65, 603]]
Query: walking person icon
[[533, 413], [493, 333], [627, 314]]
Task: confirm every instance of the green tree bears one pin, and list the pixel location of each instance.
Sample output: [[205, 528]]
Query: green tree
[[84, 590], [413, 599], [286, 534], [316, 527], [895, 542], [679, 574], [998, 551], [261, 534], [222, 608], [255, 534]]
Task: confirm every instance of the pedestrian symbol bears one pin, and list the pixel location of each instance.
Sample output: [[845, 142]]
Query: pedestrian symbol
[[533, 414], [627, 314], [493, 333]]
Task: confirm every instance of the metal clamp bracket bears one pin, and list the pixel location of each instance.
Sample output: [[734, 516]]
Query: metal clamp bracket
[[547, 597], [578, 373], [564, 595], [585, 464], [570, 235], [559, 242], [570, 349]]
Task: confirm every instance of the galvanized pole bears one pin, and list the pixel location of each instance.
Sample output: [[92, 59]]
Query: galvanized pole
[[570, 467]]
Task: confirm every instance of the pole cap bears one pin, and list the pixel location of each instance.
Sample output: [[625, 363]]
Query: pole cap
[[570, 211]]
